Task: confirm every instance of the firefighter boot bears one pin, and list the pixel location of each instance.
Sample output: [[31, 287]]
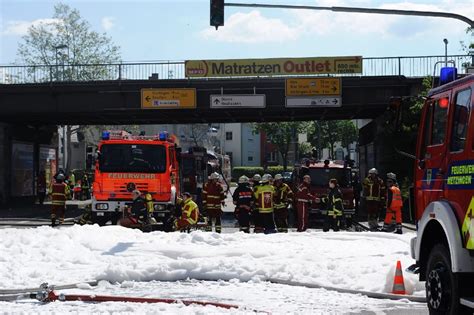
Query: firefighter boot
[[399, 229], [53, 222], [388, 228]]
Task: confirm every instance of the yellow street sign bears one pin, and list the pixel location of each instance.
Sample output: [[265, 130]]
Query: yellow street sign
[[313, 86], [168, 98]]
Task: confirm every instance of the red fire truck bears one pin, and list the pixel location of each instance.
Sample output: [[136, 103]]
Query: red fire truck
[[444, 194], [125, 163], [321, 172]]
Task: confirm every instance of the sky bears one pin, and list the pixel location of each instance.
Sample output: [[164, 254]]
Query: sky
[[178, 30]]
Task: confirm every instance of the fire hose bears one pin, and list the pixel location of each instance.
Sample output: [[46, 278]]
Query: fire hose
[[47, 293]]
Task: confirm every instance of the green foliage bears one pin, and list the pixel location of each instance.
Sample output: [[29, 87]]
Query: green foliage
[[245, 170], [325, 134], [67, 41], [281, 134], [469, 46]]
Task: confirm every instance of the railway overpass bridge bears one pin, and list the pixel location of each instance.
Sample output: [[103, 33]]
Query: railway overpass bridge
[[35, 99]]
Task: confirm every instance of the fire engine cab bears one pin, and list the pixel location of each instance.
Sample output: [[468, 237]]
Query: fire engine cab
[[125, 163], [444, 194]]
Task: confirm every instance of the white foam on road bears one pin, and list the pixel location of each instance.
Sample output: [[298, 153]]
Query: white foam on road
[[360, 261]]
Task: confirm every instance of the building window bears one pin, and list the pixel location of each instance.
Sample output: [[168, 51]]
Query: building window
[[228, 135], [250, 158], [273, 156]]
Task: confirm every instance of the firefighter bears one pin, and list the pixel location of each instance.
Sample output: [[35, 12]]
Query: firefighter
[[150, 206], [303, 202], [257, 222], [394, 205], [374, 193], [59, 192], [72, 183], [85, 188], [136, 214], [189, 214], [264, 195], [283, 198], [213, 198], [243, 201], [335, 207]]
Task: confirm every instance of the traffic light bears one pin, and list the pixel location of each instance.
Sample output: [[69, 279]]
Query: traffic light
[[217, 13]]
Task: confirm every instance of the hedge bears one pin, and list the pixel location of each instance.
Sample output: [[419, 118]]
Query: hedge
[[249, 171]]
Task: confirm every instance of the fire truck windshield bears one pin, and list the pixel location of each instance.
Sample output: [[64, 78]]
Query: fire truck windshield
[[132, 158], [320, 176]]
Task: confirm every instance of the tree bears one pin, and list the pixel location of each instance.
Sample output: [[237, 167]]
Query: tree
[[64, 44], [469, 47], [281, 134], [325, 134]]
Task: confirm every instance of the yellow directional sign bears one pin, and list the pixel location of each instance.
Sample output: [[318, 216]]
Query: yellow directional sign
[[168, 98], [313, 86]]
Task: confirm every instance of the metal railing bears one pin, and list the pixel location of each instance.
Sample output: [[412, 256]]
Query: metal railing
[[414, 66]]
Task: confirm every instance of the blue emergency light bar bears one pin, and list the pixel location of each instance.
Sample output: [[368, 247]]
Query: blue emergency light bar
[[163, 136], [105, 135], [447, 74]]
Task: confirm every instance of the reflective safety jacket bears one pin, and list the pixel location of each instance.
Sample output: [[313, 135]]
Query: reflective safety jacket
[[394, 198], [303, 193], [149, 203], [243, 197], [283, 196], [85, 184], [264, 195], [190, 211], [59, 192], [335, 205], [212, 195], [374, 190]]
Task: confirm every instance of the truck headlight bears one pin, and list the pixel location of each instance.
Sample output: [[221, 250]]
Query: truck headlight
[[159, 207], [101, 206]]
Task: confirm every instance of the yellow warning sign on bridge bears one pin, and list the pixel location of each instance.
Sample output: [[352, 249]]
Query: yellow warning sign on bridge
[[313, 86], [168, 98]]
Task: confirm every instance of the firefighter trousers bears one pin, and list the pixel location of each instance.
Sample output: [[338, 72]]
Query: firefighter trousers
[[244, 220], [303, 209], [57, 211], [332, 222], [281, 219], [214, 221], [257, 221], [268, 222], [373, 208], [397, 212]]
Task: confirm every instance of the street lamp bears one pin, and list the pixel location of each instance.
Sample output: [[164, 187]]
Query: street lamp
[[56, 48], [445, 52], [63, 127]]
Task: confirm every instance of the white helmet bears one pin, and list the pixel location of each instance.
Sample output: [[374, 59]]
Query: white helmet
[[266, 178], [243, 179], [373, 171], [392, 176], [257, 177], [214, 175], [278, 177]]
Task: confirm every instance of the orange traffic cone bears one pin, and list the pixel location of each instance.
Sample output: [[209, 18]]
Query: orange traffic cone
[[398, 283]]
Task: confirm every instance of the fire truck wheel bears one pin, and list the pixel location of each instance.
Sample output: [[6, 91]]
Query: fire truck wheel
[[442, 293]]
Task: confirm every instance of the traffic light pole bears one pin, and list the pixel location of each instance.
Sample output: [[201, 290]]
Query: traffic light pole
[[357, 10]]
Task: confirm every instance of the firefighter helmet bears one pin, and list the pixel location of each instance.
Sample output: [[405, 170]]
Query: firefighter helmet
[[60, 177], [278, 177], [214, 175], [243, 179], [373, 171], [257, 178], [392, 176], [266, 178]]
